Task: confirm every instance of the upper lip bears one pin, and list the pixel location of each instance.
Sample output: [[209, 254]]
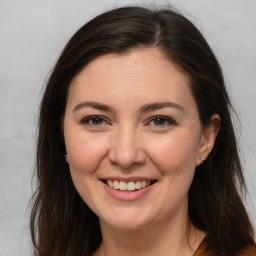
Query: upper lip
[[128, 179]]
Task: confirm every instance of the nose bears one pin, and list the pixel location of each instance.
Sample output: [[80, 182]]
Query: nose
[[127, 148]]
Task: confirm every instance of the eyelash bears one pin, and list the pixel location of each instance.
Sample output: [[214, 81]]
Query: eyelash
[[164, 121], [90, 119], [167, 121]]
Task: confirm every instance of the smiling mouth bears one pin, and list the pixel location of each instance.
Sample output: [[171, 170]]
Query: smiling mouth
[[129, 186]]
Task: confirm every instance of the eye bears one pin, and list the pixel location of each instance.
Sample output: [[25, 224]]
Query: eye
[[161, 121], [94, 120]]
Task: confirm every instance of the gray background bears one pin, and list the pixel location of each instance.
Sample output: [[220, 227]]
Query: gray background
[[32, 34]]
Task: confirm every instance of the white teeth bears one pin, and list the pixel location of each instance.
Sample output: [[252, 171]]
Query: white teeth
[[110, 183], [130, 186], [138, 185], [116, 184], [122, 185]]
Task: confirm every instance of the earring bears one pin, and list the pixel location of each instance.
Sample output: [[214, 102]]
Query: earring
[[201, 159], [67, 160]]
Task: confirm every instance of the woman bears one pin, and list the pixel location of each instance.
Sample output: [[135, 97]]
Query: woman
[[138, 107]]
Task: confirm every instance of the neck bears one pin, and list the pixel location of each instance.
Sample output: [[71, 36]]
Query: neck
[[172, 238]]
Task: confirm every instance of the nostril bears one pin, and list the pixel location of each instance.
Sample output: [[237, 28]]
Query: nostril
[[126, 156]]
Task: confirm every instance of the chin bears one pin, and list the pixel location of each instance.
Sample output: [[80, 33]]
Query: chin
[[127, 221]]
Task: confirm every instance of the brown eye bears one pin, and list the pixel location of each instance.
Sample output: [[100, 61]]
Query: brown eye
[[94, 120], [161, 121]]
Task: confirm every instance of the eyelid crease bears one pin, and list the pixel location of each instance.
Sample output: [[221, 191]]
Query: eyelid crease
[[86, 120], [170, 120], [103, 121]]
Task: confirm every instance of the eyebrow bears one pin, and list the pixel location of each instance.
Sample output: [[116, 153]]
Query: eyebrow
[[145, 108], [159, 105], [92, 104]]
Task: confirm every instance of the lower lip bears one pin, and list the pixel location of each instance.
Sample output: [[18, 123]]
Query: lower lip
[[128, 195]]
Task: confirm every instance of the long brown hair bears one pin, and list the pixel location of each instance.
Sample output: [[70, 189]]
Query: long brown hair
[[61, 222]]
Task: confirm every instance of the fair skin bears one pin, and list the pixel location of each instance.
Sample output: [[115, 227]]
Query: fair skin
[[131, 121]]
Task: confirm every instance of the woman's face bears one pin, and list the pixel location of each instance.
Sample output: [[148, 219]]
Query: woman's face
[[133, 138]]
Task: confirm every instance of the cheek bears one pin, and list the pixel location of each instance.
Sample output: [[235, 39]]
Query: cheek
[[174, 152], [85, 154], [85, 157]]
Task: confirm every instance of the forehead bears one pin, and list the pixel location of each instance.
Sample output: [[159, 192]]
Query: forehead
[[141, 73], [137, 60]]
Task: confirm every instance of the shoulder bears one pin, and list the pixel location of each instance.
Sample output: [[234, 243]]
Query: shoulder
[[203, 250], [248, 251]]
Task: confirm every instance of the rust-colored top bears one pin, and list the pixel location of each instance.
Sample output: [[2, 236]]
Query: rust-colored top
[[204, 251], [248, 251]]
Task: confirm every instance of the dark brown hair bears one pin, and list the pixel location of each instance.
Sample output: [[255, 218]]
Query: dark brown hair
[[61, 222]]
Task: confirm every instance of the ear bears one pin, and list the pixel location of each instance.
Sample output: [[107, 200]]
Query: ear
[[207, 140]]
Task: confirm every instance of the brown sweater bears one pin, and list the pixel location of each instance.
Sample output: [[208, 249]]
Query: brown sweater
[[247, 251]]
